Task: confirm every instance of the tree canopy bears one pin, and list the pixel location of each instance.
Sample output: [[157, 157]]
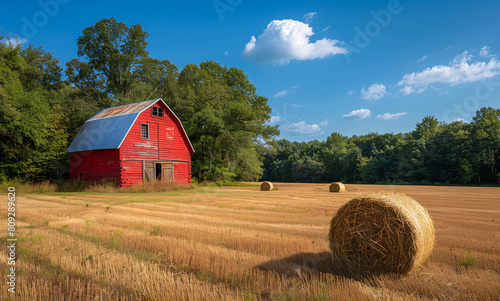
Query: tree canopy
[[434, 153]]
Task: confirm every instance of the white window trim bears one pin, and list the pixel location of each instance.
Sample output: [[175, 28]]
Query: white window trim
[[147, 126]]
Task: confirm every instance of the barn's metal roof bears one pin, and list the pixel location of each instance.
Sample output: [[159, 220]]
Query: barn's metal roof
[[102, 133], [108, 128], [132, 108]]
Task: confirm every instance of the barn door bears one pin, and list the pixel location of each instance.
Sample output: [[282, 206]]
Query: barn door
[[167, 171], [148, 171]]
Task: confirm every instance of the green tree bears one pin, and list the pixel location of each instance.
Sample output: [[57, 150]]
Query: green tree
[[42, 69], [486, 137], [225, 119], [113, 52], [341, 158], [25, 114]]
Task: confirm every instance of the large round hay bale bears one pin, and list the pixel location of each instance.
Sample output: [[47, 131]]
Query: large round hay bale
[[266, 186], [381, 233], [337, 187]]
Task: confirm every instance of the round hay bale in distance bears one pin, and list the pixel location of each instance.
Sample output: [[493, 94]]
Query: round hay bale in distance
[[381, 233], [266, 186], [337, 187]]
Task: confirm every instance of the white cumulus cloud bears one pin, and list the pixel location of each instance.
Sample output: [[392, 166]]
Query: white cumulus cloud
[[286, 40], [485, 51], [275, 119], [389, 116], [374, 92], [460, 70], [357, 114], [302, 128], [14, 42], [407, 90]]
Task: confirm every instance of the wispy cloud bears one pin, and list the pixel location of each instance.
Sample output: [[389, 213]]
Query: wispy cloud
[[326, 28], [298, 106], [323, 123], [226, 53], [357, 114], [281, 93], [302, 128], [389, 116], [422, 59], [309, 16], [350, 93], [286, 40], [374, 92], [460, 70], [285, 92]]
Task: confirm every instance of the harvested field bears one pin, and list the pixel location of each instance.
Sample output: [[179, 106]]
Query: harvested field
[[238, 243]]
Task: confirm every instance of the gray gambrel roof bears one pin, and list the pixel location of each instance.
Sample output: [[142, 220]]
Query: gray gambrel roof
[[108, 128]]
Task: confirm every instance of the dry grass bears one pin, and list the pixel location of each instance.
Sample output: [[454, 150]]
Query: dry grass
[[235, 243], [381, 233], [97, 186]]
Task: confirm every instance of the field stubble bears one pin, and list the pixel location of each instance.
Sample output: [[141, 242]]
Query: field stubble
[[238, 243]]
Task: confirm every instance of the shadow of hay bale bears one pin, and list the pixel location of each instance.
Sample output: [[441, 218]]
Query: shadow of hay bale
[[350, 188], [307, 264], [304, 265]]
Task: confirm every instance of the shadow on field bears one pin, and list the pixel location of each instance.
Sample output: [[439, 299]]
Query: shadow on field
[[306, 263]]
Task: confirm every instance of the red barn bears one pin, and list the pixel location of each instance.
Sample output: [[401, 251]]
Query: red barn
[[132, 144]]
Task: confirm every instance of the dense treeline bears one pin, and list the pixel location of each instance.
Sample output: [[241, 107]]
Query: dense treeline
[[453, 153], [43, 105]]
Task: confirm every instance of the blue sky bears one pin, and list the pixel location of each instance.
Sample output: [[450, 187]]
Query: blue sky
[[351, 67]]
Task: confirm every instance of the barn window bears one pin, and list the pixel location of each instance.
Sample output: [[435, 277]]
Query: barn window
[[144, 131], [170, 133], [160, 112]]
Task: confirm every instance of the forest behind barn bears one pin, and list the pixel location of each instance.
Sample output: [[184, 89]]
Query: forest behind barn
[[44, 104]]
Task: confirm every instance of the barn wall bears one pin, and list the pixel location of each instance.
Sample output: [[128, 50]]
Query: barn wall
[[95, 165], [131, 172], [160, 146], [182, 173]]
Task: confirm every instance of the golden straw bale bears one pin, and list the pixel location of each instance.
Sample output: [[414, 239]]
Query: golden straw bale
[[337, 187], [266, 186], [381, 233]]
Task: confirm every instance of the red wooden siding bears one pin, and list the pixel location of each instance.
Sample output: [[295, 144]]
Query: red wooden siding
[[182, 171], [160, 146], [95, 164], [166, 143], [131, 172]]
